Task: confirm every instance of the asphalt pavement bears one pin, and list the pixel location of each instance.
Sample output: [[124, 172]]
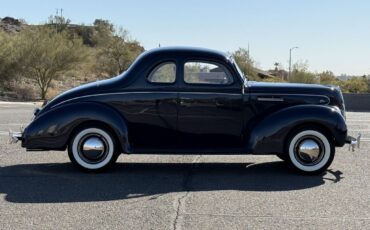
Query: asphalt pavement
[[42, 190]]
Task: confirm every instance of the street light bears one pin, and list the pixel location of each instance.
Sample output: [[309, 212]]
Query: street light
[[290, 60]]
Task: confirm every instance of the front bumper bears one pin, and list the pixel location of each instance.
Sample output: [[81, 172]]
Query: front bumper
[[353, 142]]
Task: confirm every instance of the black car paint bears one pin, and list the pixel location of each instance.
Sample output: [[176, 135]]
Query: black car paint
[[243, 117]]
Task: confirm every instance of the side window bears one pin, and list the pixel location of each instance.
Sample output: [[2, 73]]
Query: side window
[[198, 72], [163, 73]]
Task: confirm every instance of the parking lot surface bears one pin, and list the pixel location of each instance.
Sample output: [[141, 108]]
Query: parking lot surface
[[42, 190]]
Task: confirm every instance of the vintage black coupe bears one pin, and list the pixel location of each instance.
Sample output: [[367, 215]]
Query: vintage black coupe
[[191, 100]]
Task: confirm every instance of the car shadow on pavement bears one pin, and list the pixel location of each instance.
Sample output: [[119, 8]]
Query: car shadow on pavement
[[60, 183]]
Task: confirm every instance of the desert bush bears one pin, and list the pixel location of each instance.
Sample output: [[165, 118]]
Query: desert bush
[[9, 58], [25, 92], [354, 85]]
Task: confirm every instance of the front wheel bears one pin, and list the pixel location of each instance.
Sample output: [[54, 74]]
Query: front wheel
[[93, 149], [310, 151]]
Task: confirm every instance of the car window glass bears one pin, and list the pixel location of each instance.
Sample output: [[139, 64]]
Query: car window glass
[[206, 73], [164, 73]]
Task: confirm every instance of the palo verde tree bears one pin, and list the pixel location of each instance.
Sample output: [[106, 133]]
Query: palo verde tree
[[301, 74], [116, 54], [47, 54], [103, 32], [245, 63], [327, 77]]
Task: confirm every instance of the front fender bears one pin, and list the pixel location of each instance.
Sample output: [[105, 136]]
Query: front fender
[[269, 135], [52, 129]]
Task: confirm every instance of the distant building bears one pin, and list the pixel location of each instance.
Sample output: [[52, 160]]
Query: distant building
[[264, 74], [343, 77], [279, 73]]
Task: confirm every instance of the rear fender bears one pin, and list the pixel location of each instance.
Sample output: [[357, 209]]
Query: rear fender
[[52, 129]]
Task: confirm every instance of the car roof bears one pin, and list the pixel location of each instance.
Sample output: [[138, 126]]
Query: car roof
[[188, 51]]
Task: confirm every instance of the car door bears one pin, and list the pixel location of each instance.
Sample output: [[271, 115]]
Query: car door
[[210, 106], [151, 108]]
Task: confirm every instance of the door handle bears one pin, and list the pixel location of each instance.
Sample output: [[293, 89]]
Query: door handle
[[185, 101]]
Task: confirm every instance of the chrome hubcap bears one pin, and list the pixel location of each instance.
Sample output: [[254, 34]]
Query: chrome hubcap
[[309, 151], [93, 149]]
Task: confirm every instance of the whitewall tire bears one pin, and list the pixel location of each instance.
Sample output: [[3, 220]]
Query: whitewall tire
[[310, 151], [92, 149]]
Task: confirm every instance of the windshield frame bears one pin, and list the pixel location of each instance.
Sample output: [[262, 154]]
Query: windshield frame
[[239, 71]]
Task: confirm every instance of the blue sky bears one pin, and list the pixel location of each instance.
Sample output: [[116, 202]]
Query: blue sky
[[331, 34]]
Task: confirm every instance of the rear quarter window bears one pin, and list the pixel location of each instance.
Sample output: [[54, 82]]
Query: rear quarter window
[[163, 73]]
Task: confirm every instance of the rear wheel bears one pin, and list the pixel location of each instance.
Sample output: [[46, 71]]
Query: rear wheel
[[310, 151], [93, 149]]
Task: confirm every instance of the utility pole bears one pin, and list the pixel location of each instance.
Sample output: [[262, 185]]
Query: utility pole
[[248, 51], [290, 61], [53, 20]]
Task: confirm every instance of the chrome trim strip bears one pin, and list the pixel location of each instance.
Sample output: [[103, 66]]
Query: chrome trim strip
[[287, 94], [269, 99], [232, 94], [140, 92]]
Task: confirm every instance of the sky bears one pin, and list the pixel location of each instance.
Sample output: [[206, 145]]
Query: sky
[[331, 34]]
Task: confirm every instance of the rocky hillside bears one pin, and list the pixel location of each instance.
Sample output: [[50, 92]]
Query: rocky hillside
[[11, 25]]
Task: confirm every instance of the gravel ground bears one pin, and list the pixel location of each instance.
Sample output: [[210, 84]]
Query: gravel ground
[[42, 190]]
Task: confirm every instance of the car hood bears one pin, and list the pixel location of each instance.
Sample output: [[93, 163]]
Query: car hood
[[290, 88], [332, 92]]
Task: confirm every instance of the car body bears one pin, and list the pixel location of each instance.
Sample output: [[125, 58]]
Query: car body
[[189, 100]]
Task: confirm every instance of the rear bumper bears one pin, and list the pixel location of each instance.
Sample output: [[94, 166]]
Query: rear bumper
[[353, 142], [14, 137]]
